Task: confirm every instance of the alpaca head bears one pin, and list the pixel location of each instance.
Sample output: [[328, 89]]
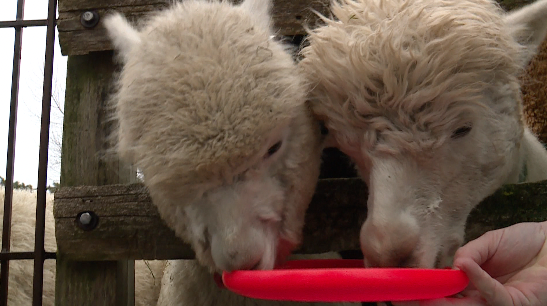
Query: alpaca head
[[423, 96], [212, 110]]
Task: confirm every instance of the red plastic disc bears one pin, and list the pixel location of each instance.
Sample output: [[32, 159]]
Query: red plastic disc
[[338, 280]]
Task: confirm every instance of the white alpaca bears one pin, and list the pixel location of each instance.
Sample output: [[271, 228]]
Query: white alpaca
[[212, 110], [22, 240], [147, 275], [423, 96]]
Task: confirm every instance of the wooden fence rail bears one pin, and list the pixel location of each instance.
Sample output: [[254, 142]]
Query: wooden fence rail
[[129, 226], [78, 37]]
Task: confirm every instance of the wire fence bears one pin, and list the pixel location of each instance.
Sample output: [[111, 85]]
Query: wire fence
[[39, 254]]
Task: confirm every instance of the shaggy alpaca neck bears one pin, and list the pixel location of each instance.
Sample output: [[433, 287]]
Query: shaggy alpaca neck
[[534, 158]]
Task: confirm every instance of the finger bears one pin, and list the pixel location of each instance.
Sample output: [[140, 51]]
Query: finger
[[490, 289], [519, 246], [454, 302], [409, 303], [444, 302], [480, 249], [469, 292]]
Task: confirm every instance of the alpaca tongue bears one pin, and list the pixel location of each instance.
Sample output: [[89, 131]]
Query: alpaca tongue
[[284, 249], [218, 280]]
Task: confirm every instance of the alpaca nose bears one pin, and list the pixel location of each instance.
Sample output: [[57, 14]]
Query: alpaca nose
[[230, 260], [391, 259], [390, 244], [241, 254]]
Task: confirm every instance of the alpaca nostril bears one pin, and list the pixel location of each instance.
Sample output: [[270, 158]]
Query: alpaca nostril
[[405, 262], [389, 261], [387, 256], [249, 264], [370, 263], [390, 244], [230, 266], [256, 266], [232, 255], [253, 265]]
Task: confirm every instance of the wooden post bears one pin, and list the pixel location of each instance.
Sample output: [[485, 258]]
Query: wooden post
[[84, 162]]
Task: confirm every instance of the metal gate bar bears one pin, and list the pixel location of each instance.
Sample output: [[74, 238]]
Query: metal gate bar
[[23, 23], [8, 195], [39, 254]]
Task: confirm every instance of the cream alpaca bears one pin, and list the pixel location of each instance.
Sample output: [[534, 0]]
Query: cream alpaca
[[423, 96], [212, 110], [147, 289], [22, 240]]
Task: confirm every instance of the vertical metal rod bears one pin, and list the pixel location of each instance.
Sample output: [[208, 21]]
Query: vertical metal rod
[[6, 225], [39, 252]]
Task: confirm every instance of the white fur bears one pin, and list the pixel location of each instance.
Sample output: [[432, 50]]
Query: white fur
[[203, 97], [147, 274], [22, 240], [394, 81], [123, 36], [528, 26], [534, 157], [260, 10]]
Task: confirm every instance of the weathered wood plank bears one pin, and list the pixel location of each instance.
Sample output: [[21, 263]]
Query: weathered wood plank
[[289, 17], [87, 124], [512, 204], [85, 132], [79, 5], [513, 4], [75, 39], [333, 220]]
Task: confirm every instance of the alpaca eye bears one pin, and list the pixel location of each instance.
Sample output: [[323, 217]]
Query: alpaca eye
[[460, 132], [323, 128], [273, 149]]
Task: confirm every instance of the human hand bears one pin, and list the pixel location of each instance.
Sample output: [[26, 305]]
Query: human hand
[[505, 267]]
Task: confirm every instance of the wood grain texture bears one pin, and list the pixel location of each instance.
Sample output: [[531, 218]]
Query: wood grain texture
[[130, 226], [289, 17], [86, 159], [85, 132]]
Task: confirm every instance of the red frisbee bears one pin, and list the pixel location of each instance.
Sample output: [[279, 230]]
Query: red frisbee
[[339, 280]]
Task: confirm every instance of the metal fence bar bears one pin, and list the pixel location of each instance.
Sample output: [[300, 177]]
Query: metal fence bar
[[23, 23], [6, 225], [39, 252], [25, 255]]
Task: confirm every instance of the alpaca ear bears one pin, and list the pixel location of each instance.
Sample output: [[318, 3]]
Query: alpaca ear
[[528, 26], [124, 37], [260, 10]]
